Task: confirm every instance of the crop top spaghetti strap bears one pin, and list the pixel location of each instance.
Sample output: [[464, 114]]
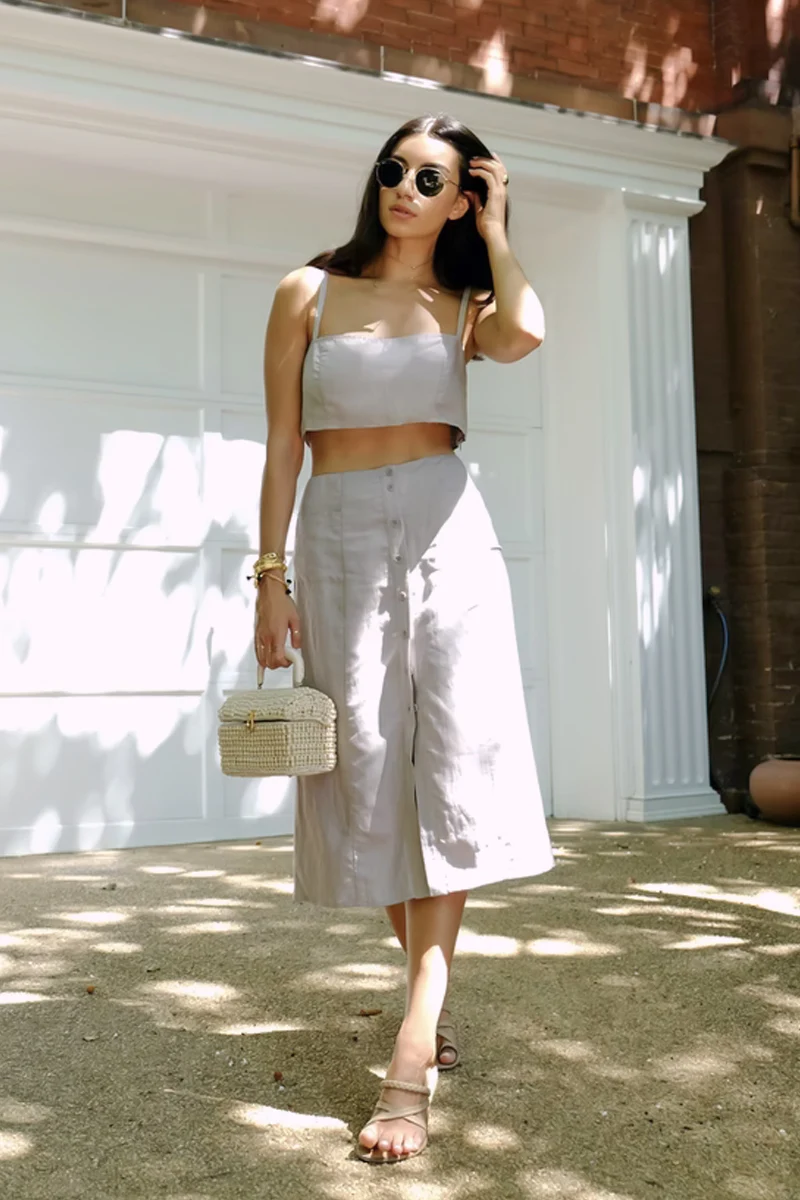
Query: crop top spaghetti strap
[[360, 381]]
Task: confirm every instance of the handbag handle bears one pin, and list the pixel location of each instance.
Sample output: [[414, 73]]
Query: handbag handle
[[298, 668]]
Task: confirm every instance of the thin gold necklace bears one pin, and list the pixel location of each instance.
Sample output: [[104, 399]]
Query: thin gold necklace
[[426, 262], [420, 267], [377, 280]]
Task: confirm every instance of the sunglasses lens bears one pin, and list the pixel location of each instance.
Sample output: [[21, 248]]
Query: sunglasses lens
[[389, 173], [429, 181]]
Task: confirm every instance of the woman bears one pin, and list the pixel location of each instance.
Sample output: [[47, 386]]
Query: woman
[[404, 603]]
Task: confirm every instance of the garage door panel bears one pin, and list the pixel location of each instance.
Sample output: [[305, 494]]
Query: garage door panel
[[251, 799], [539, 721], [510, 392], [79, 313], [232, 658], [110, 469], [91, 763], [506, 466], [245, 305], [91, 620], [529, 592], [234, 465], [97, 196], [255, 219]]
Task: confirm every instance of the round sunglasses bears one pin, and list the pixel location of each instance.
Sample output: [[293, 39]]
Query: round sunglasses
[[429, 181]]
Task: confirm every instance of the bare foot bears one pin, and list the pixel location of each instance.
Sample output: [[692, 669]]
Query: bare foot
[[447, 1055], [389, 1138]]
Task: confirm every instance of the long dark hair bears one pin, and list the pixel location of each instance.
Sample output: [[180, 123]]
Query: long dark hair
[[460, 258]]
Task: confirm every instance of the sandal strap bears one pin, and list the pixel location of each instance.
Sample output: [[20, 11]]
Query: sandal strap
[[445, 1019], [446, 1030], [417, 1114], [419, 1088]]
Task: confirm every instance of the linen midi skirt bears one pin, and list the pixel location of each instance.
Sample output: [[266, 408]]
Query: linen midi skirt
[[407, 625]]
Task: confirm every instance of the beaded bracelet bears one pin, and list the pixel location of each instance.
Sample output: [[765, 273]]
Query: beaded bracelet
[[286, 582]]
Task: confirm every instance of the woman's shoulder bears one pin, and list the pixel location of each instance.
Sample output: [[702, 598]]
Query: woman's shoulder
[[300, 284], [295, 294]]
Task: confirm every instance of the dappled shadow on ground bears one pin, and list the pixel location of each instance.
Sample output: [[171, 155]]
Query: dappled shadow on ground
[[173, 1025]]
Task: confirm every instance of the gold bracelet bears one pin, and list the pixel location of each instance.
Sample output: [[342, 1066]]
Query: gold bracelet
[[267, 562]]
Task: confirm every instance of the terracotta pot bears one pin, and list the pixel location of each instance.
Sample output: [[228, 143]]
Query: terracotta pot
[[775, 788]]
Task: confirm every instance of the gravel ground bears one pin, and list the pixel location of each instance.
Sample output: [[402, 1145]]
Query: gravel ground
[[173, 1026]]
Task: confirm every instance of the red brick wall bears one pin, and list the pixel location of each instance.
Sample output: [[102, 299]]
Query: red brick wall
[[747, 382], [755, 43], [606, 56], [715, 446], [650, 50]]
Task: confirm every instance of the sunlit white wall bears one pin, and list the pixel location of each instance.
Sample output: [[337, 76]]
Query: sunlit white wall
[[131, 325]]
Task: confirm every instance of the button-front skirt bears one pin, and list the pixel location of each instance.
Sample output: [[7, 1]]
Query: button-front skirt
[[407, 625]]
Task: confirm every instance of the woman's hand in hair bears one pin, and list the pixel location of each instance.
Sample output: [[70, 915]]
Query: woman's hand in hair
[[490, 218], [512, 324]]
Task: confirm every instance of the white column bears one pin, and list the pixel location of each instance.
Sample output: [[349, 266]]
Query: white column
[[578, 363], [660, 708]]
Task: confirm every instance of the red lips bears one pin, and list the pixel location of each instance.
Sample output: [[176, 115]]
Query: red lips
[[401, 208]]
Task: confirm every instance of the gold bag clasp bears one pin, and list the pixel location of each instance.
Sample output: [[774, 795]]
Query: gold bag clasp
[[251, 720]]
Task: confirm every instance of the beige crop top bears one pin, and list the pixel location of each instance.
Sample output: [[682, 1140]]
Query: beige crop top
[[360, 381]]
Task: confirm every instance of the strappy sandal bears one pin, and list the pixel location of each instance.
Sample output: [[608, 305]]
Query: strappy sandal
[[446, 1031], [416, 1114]]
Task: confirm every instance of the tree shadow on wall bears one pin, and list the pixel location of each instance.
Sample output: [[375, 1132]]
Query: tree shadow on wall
[[125, 616]]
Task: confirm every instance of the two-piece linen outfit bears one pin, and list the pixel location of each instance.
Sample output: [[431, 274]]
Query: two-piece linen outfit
[[407, 625]]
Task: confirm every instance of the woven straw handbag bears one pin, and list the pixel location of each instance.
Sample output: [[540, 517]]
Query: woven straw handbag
[[278, 731]]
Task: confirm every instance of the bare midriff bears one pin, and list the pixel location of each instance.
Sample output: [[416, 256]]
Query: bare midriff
[[334, 450]]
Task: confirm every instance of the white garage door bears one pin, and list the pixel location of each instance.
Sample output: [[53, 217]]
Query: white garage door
[[132, 311]]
